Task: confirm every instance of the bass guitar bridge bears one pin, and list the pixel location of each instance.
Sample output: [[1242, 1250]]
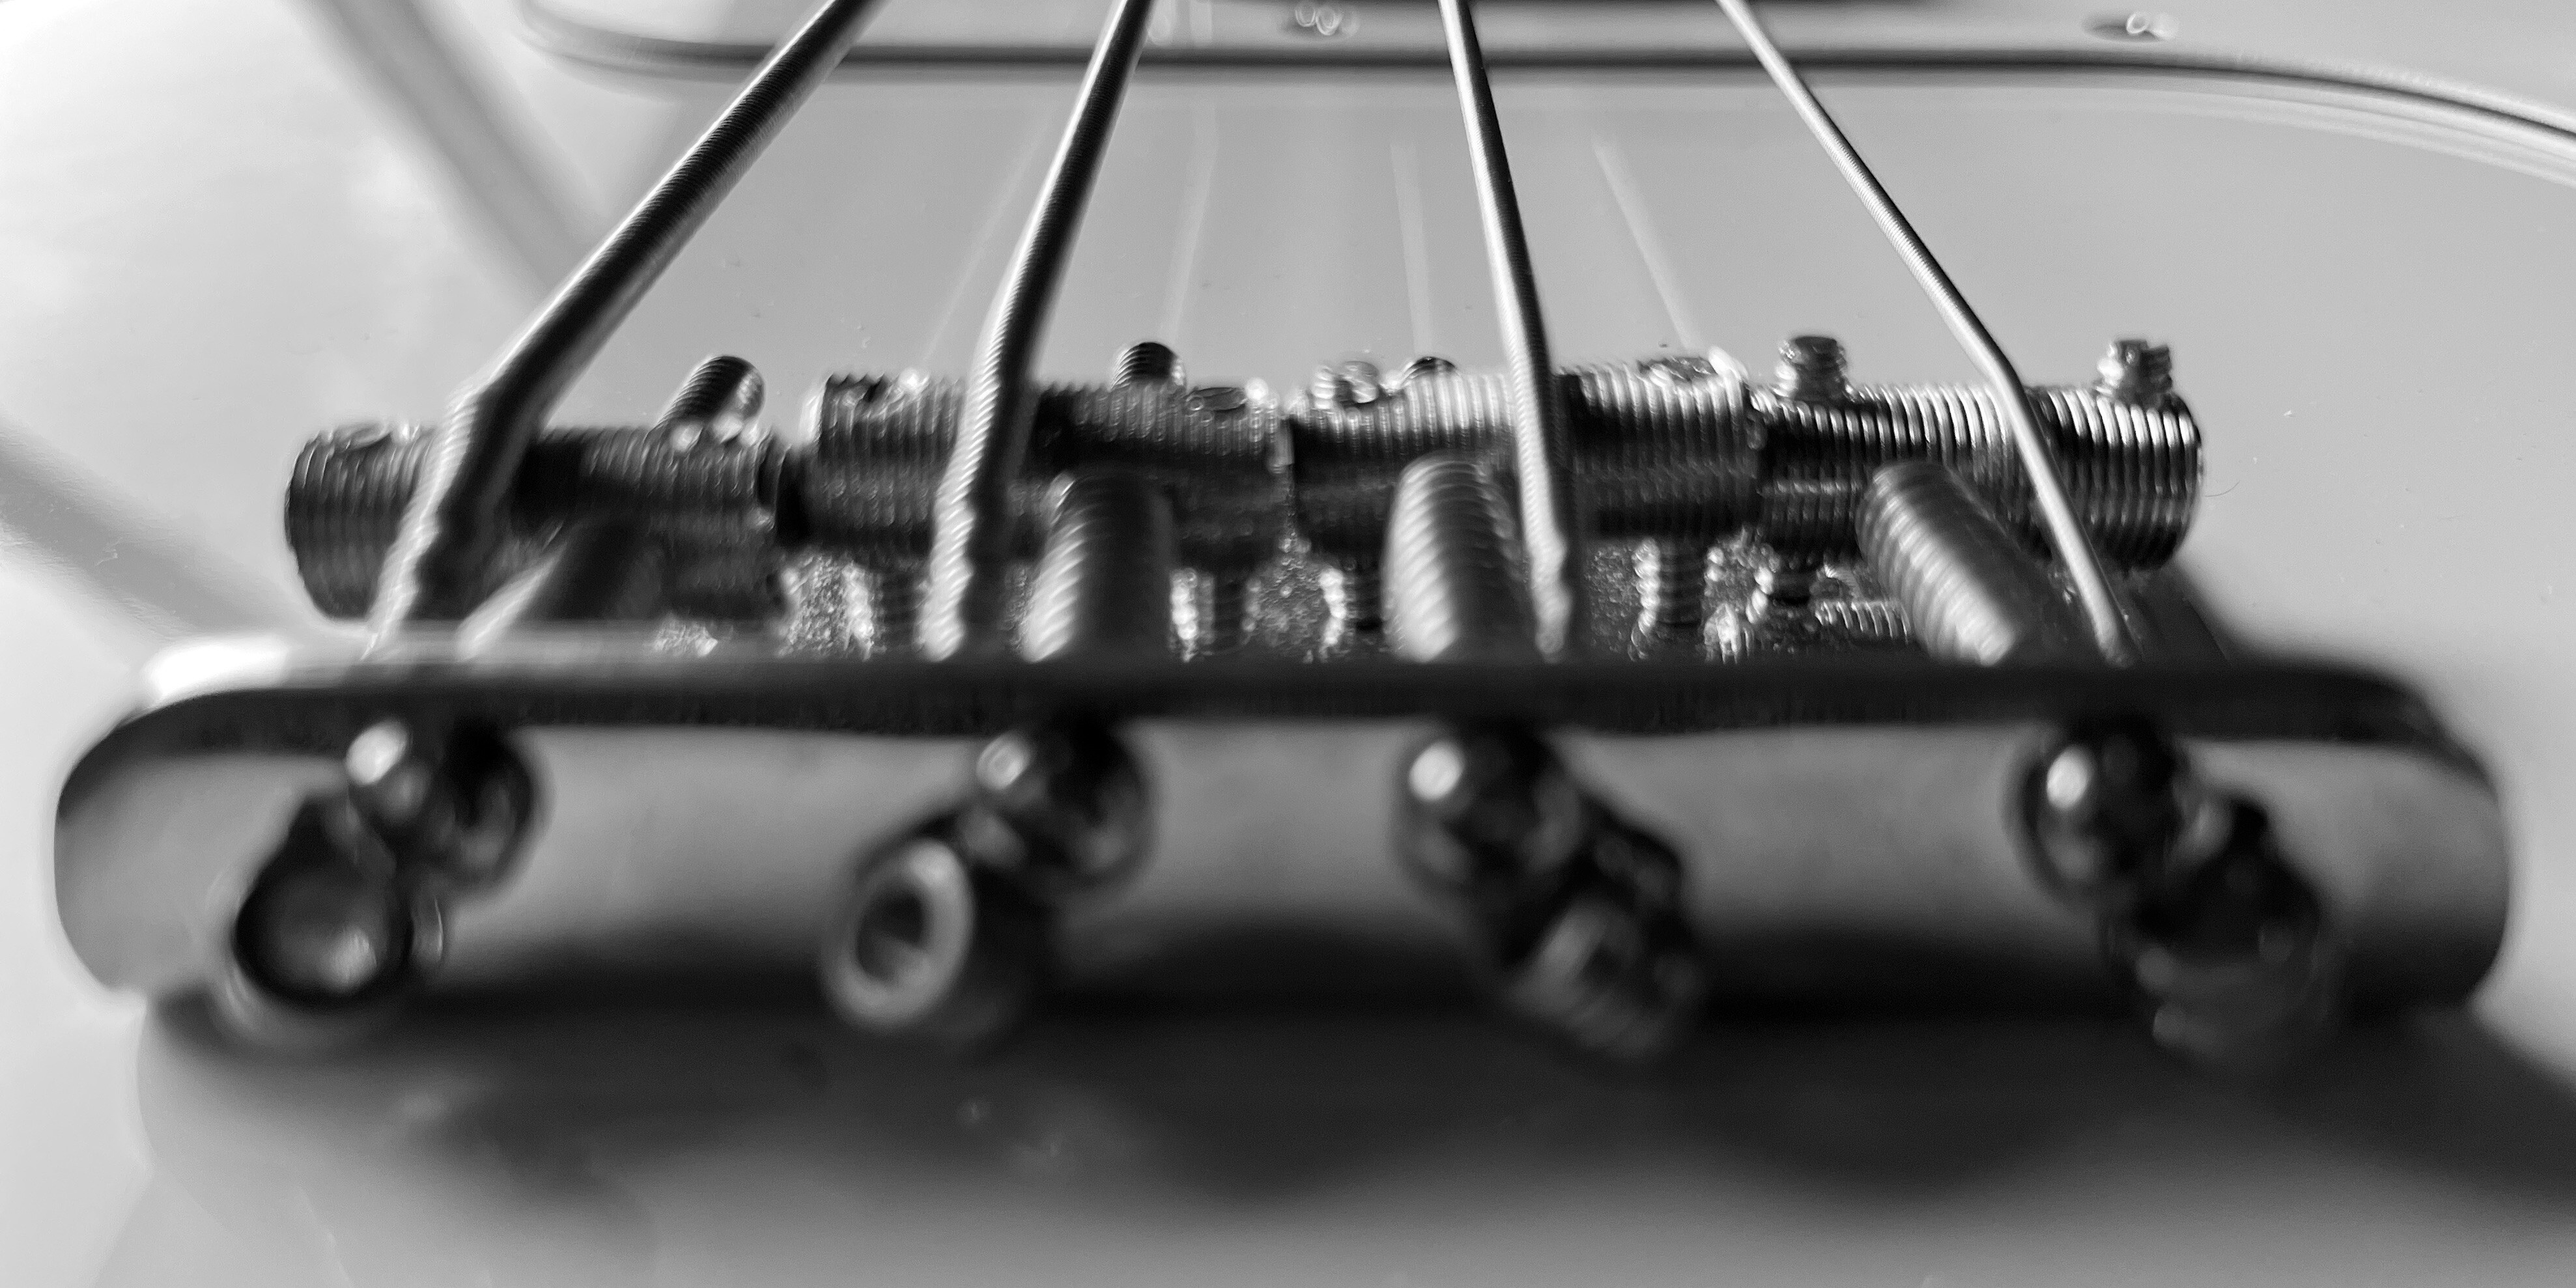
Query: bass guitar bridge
[[1620, 694]]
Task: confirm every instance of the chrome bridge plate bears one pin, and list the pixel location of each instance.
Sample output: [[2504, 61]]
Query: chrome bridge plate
[[1844, 823]]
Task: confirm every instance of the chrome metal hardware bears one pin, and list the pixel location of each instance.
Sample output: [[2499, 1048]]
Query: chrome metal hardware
[[1643, 644], [947, 934], [2226, 942], [1581, 910], [1673, 454]]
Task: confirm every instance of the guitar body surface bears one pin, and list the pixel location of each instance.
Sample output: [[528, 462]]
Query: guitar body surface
[[1745, 795]]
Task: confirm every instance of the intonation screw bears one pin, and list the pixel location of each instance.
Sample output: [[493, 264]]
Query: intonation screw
[[1812, 369], [2137, 373], [1672, 589], [1148, 362]]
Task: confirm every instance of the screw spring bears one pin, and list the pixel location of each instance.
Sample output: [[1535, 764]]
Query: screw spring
[[344, 506], [1670, 448], [608, 571], [1657, 456], [879, 447], [2133, 473], [1453, 593]]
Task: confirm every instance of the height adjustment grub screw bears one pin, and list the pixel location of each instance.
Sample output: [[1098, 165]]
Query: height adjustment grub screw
[[2137, 373], [720, 401], [1148, 362], [1813, 368]]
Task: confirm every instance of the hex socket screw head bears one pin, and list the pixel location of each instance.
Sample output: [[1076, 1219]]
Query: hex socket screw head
[[1813, 368], [2136, 372], [930, 944]]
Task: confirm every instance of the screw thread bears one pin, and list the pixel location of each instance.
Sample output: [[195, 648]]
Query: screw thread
[[2132, 472], [1354, 600], [893, 594], [1220, 602], [1148, 362], [2137, 372], [1104, 585], [1813, 368], [720, 398], [1672, 587], [1454, 593], [1973, 593]]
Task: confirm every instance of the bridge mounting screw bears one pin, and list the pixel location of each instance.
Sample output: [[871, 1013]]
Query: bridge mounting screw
[[1062, 805], [1813, 368], [932, 945], [2137, 372]]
